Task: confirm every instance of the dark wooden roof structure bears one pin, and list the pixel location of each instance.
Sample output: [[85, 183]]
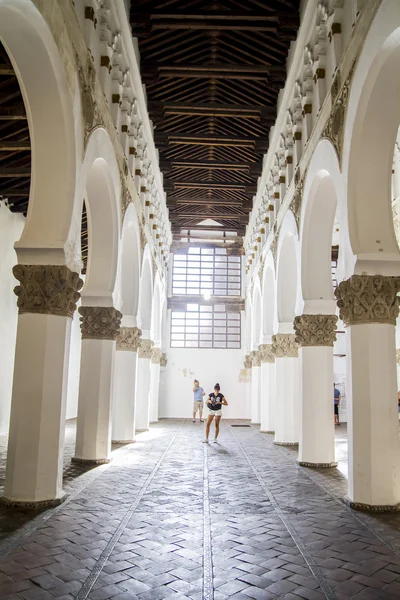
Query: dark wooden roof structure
[[213, 70], [15, 152], [15, 149]]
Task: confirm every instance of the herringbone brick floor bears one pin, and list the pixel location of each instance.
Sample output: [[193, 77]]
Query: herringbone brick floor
[[174, 518]]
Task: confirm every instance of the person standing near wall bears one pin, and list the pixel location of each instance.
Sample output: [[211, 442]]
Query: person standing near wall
[[336, 401], [198, 401], [215, 401]]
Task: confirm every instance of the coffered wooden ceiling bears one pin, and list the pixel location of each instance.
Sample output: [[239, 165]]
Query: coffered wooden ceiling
[[213, 71]]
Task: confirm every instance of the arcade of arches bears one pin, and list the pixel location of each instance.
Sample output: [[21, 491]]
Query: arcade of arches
[[204, 190]]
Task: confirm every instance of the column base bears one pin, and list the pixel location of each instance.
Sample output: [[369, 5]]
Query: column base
[[142, 430], [254, 423], [151, 422], [33, 505], [286, 443], [121, 442], [267, 431], [90, 461], [375, 508], [317, 465]]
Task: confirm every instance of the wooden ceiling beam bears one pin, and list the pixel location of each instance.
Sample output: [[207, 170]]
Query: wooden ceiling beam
[[212, 165], [6, 146], [206, 202], [6, 70], [12, 114], [239, 229], [213, 110], [209, 215], [210, 185], [6, 172], [179, 15], [14, 193], [220, 26]]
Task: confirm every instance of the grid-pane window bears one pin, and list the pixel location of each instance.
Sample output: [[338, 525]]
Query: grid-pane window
[[206, 271], [205, 326]]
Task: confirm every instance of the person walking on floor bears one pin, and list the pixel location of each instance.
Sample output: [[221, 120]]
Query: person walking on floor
[[215, 401], [336, 401], [198, 401]]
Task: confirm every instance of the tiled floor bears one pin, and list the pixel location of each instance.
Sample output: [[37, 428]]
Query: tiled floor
[[174, 518]]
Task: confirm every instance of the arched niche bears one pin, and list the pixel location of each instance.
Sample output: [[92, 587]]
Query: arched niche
[[146, 294], [372, 121], [287, 273], [40, 71], [256, 317], [156, 313], [268, 300], [316, 244], [129, 271], [102, 192]]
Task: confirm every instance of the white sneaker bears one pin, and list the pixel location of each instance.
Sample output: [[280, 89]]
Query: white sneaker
[[216, 441], [205, 441]]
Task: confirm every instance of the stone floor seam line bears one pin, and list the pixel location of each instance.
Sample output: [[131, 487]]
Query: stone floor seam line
[[315, 570], [356, 516], [96, 571], [208, 585], [8, 546]]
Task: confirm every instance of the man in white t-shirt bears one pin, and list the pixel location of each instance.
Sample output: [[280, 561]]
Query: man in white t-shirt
[[198, 394]]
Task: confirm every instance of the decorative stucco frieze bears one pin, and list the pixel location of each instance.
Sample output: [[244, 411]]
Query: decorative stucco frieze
[[364, 299], [91, 113], [295, 205], [266, 353], [99, 322], [47, 289], [156, 355], [334, 129], [163, 360], [315, 330], [128, 339], [285, 345], [145, 348]]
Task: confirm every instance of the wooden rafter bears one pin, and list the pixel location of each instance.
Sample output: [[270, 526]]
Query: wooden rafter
[[213, 72]]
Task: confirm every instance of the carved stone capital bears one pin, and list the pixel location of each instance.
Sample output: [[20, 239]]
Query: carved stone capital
[[247, 361], [156, 355], [145, 348], [284, 345], [364, 299], [315, 330], [266, 353], [163, 360], [128, 339], [99, 322], [47, 289], [255, 358]]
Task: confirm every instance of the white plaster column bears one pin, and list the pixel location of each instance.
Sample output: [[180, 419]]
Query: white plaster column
[[99, 326], [285, 349], [123, 412], [268, 389], [154, 383], [47, 297], [248, 378], [143, 385], [315, 335], [369, 307], [255, 388]]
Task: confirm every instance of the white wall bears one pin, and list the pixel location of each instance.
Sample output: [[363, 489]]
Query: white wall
[[74, 367], [209, 367], [11, 226]]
